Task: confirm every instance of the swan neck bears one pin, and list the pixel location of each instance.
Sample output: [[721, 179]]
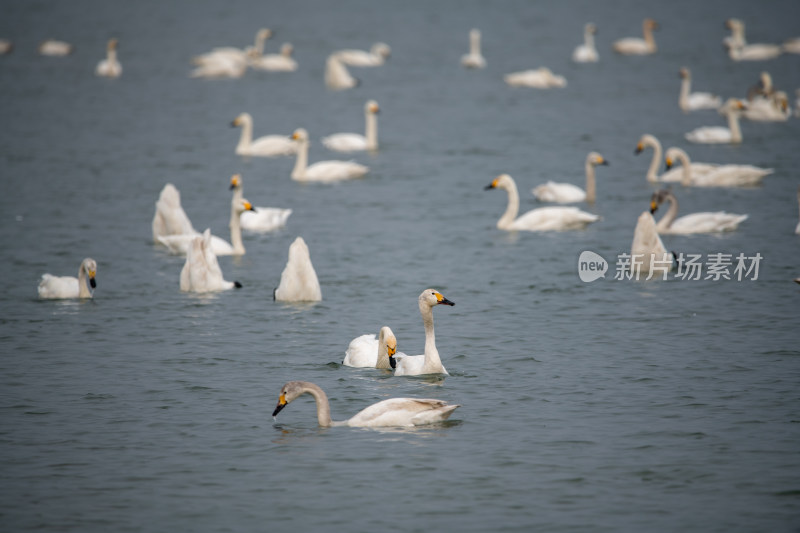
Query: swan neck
[[513, 207], [683, 101], [733, 125], [475, 44], [323, 405], [383, 354], [83, 287], [591, 187], [246, 138], [236, 228], [652, 172], [588, 39], [669, 217], [432, 360], [300, 164], [686, 177], [648, 38], [371, 131]]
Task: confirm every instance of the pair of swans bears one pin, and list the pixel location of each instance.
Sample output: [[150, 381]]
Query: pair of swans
[[714, 175], [740, 50], [587, 53], [258, 219], [542, 219], [266, 146], [201, 272], [395, 412], [62, 287], [369, 351], [355, 142], [109, 67], [322, 171], [567, 193], [637, 46], [540, 78], [772, 108], [229, 61], [377, 56], [732, 109], [689, 101], [705, 222], [282, 62], [299, 281], [474, 59], [55, 48]]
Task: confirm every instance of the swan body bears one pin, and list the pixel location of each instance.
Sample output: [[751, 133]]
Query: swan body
[[282, 62], [337, 77], [689, 101], [222, 68], [673, 175], [377, 56], [299, 281], [231, 54], [718, 176], [110, 67], [474, 59], [62, 287], [647, 250], [567, 193], [181, 244], [429, 362], [774, 108], [395, 412], [266, 146], [706, 222], [52, 47], [322, 171], [720, 135], [540, 78], [637, 46], [201, 272], [170, 218], [587, 53], [354, 142], [371, 351], [740, 50], [259, 219], [542, 219]]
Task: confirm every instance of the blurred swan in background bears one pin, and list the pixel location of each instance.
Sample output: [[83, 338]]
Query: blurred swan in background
[[394, 412], [567, 193], [650, 141], [233, 55], [689, 101], [429, 362], [110, 66], [201, 272], [180, 244], [266, 146], [772, 108], [792, 46], [170, 218], [6, 46], [299, 281], [61, 287], [587, 53], [282, 62], [706, 222], [637, 46], [732, 109], [541, 219], [371, 351], [52, 47], [717, 175], [354, 142], [474, 59], [739, 50], [648, 253], [540, 78], [323, 171], [337, 77], [222, 68], [259, 219], [376, 56]]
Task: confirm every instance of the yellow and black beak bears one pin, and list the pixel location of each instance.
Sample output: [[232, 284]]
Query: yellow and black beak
[[235, 123], [441, 300], [653, 206], [92, 282], [668, 163], [638, 150], [281, 404], [249, 207], [492, 185]]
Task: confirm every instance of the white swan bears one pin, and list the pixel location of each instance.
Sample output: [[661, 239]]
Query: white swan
[[395, 412], [354, 142], [429, 362], [323, 171], [648, 253], [371, 351], [282, 62], [706, 222], [223, 67], [170, 218], [567, 193], [299, 281], [587, 53], [266, 146], [739, 50], [52, 47], [541, 219], [201, 272], [110, 66], [259, 219], [797, 229], [376, 56], [540, 78], [474, 59], [180, 244], [650, 141], [773, 108], [791, 46], [337, 77], [231, 54], [6, 46], [718, 134], [637, 46], [718, 175], [689, 101], [60, 287]]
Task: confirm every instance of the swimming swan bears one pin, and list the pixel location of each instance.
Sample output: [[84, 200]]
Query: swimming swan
[[323, 171], [259, 219], [373, 352], [61, 287], [282, 62], [474, 59], [647, 251], [705, 222], [180, 244], [689, 101], [266, 146], [395, 412], [587, 53], [717, 134], [567, 193], [170, 218], [299, 281], [337, 77], [110, 66], [718, 176], [541, 219], [650, 141], [201, 272], [52, 47], [739, 50], [231, 54], [540, 78], [354, 142], [429, 362], [223, 67], [636, 46], [376, 56], [772, 108]]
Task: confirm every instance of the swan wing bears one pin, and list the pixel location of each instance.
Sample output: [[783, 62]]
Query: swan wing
[[698, 170], [631, 46], [56, 287], [362, 352], [264, 219], [274, 63], [706, 223], [562, 193], [359, 58], [554, 219], [272, 145], [585, 54], [335, 171], [473, 61], [704, 101], [345, 142], [710, 134], [733, 176], [403, 412]]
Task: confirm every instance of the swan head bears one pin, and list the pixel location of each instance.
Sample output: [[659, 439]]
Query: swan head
[[644, 141], [650, 24], [685, 74], [372, 107], [243, 205], [241, 120], [734, 24], [89, 266], [264, 33], [732, 105], [432, 298], [112, 44], [590, 28], [287, 49], [300, 135], [658, 198], [236, 181], [500, 182], [289, 392], [381, 49], [595, 159], [672, 154], [386, 337]]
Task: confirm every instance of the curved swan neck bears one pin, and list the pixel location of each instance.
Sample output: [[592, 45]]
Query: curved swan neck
[[733, 125], [236, 227], [686, 87], [591, 187], [669, 217], [588, 38], [683, 157], [474, 43], [371, 131], [432, 360], [647, 31], [83, 287], [652, 172], [301, 163], [246, 138], [511, 211], [323, 406]]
